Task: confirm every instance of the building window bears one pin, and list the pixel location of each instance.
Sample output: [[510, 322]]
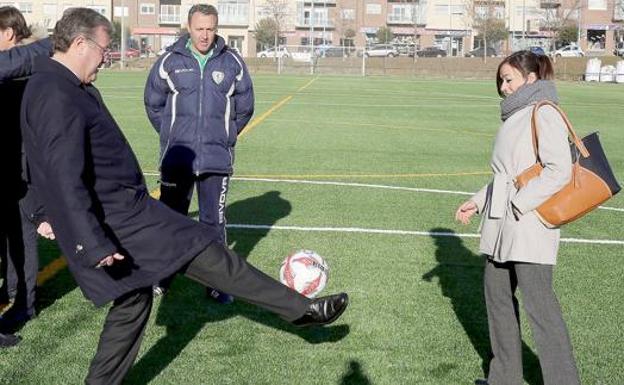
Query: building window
[[98, 8], [233, 12], [373, 9], [443, 9], [25, 7], [400, 13], [49, 9], [170, 14], [120, 11], [147, 9], [597, 5], [347, 14], [596, 39], [236, 43]]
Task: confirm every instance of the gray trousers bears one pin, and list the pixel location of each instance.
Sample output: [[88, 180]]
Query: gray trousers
[[544, 314]]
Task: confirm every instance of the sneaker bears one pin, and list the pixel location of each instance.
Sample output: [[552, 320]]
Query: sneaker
[[219, 296], [7, 340], [158, 290]]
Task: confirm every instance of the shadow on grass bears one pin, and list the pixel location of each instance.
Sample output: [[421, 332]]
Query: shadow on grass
[[184, 311], [265, 210], [355, 375], [460, 276]]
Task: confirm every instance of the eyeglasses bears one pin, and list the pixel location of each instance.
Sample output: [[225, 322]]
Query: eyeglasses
[[105, 51]]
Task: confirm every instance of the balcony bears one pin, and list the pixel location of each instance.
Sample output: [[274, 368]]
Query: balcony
[[320, 2], [304, 22], [400, 19], [169, 19], [550, 4]]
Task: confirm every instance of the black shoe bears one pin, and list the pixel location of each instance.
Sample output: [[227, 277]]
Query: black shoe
[[7, 340], [323, 310], [15, 317], [481, 381]]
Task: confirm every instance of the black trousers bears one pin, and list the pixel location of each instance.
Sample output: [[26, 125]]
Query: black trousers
[[19, 247], [216, 266]]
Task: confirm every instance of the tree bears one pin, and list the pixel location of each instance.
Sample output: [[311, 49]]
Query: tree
[[265, 32], [561, 22], [567, 34], [277, 11], [384, 35], [487, 19]]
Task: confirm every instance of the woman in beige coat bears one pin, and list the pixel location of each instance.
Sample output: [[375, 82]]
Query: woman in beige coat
[[521, 252]]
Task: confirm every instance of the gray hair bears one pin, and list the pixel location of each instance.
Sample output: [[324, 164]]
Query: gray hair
[[204, 9], [78, 22]]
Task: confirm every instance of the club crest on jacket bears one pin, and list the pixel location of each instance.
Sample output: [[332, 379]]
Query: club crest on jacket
[[217, 76]]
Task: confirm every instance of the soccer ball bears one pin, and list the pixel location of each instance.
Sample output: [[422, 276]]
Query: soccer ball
[[306, 272]]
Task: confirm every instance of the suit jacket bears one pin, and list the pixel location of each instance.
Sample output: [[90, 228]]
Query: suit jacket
[[525, 239], [93, 190], [18, 61]]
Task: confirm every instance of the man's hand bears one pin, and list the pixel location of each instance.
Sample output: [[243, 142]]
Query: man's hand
[[109, 260], [45, 230], [465, 212]]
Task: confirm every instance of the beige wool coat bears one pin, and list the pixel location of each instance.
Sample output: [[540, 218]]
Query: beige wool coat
[[505, 237]]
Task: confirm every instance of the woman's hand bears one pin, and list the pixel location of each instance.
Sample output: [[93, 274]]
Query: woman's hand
[[465, 212]]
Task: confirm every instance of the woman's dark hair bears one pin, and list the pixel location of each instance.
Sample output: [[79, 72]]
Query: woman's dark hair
[[526, 62], [11, 17], [78, 22]]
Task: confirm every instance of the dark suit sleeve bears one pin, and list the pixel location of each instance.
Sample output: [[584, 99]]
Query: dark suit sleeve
[[155, 94], [17, 62], [62, 146], [244, 99]]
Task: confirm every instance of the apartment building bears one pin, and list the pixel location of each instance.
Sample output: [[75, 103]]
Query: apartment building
[[448, 24]]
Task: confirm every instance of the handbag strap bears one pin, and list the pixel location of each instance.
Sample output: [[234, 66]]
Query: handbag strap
[[575, 139]]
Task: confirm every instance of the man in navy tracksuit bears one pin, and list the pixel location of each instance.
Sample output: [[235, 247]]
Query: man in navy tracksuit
[[199, 97]]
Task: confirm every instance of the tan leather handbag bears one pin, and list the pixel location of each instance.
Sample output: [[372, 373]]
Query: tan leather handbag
[[592, 180]]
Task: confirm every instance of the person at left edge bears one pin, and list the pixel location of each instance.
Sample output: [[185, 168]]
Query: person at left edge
[[14, 63], [20, 215], [199, 97]]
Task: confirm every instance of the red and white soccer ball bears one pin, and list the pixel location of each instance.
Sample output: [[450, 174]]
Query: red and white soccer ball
[[306, 272]]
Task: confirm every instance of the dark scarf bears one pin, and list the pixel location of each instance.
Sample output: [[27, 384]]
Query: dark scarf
[[528, 94]]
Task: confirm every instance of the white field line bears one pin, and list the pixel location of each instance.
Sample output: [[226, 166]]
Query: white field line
[[367, 185], [401, 232]]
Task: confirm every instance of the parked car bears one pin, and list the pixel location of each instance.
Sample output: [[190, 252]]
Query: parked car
[[382, 50], [571, 50], [431, 52], [537, 50], [272, 52], [332, 52], [130, 53], [478, 52]]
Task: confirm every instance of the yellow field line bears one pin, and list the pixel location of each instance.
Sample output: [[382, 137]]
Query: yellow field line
[[261, 118], [50, 270], [307, 84], [271, 110]]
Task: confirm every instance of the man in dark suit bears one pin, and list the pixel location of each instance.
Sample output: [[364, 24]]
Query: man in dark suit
[[117, 239]]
